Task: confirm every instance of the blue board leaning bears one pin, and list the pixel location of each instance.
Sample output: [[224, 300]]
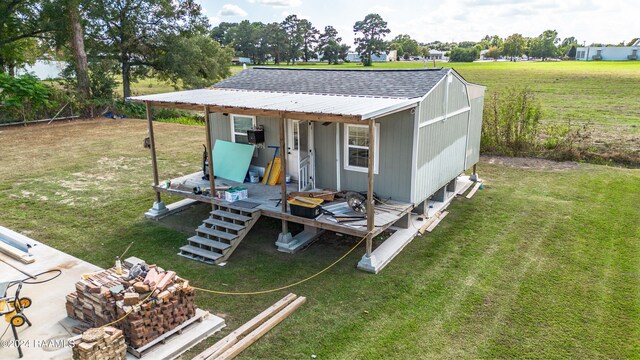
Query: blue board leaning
[[231, 160]]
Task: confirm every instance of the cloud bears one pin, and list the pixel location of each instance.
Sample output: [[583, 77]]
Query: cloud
[[231, 10], [278, 3], [380, 9]]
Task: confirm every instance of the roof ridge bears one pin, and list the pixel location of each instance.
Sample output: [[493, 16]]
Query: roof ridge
[[345, 70], [309, 93]]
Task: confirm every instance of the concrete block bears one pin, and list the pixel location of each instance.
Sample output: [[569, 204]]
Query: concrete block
[[157, 211], [290, 244], [451, 186], [440, 195]]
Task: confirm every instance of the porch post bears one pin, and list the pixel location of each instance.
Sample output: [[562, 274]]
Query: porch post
[[285, 236], [370, 200], [158, 208], [212, 180]]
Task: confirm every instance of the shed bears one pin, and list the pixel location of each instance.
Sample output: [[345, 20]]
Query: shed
[[403, 136]]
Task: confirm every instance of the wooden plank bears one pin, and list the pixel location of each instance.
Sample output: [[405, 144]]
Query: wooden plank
[[229, 340], [370, 201], [154, 161], [437, 221], [16, 253], [464, 188], [212, 178], [473, 191], [252, 337]]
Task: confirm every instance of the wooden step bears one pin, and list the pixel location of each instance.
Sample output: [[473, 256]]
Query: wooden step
[[229, 215], [216, 233], [208, 242], [224, 224], [200, 252], [238, 208]]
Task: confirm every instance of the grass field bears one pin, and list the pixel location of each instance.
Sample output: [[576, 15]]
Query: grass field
[[542, 263]]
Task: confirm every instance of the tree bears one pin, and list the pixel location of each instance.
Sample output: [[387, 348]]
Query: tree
[[244, 37], [544, 46], [493, 53], [372, 30], [566, 45], [514, 45], [292, 28], [76, 43], [405, 46], [197, 60], [464, 55], [221, 33], [132, 31], [309, 39], [21, 22], [276, 38]]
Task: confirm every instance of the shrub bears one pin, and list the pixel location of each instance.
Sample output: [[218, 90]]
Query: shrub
[[511, 122], [464, 55], [23, 98]]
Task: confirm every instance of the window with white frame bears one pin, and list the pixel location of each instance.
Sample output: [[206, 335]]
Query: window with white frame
[[356, 147], [239, 126]]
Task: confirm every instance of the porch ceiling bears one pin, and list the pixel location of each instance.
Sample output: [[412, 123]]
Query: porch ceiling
[[338, 108]]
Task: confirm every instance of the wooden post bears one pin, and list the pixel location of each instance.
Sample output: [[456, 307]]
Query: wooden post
[[283, 172], [212, 179], [154, 161], [370, 200]]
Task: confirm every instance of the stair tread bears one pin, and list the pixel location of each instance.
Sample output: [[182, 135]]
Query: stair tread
[[230, 215], [225, 224], [201, 252], [240, 208], [218, 233], [208, 242]]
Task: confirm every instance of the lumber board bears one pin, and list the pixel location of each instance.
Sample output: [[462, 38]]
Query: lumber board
[[473, 191], [229, 340], [437, 221], [252, 337], [427, 223], [16, 253]]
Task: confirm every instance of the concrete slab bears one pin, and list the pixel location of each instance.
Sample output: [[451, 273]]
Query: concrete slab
[[390, 248], [47, 338]]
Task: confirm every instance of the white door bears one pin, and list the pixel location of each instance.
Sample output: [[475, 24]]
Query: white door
[[300, 157]]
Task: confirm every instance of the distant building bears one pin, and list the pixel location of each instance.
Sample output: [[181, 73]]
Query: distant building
[[608, 53], [44, 69], [383, 57], [436, 55], [238, 60]]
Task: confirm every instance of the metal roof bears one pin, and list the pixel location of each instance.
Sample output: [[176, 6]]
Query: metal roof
[[361, 107], [396, 83]]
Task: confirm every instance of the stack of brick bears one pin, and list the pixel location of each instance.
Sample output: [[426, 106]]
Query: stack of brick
[[100, 344], [106, 296]]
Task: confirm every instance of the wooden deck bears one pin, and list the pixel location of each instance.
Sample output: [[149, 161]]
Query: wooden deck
[[268, 197]]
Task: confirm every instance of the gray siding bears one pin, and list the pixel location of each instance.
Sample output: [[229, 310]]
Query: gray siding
[[441, 154], [325, 151], [433, 106], [394, 175], [458, 98], [221, 129], [475, 128]]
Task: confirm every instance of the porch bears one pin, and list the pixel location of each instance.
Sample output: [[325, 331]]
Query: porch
[[267, 199]]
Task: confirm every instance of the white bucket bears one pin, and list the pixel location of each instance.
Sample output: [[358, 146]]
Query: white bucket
[[254, 177]]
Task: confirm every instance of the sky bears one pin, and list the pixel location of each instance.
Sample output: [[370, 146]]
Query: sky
[[590, 21]]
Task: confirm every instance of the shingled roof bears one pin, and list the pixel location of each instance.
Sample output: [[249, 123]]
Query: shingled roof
[[375, 83]]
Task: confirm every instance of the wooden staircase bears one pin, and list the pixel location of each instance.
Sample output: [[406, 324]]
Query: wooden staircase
[[220, 234]]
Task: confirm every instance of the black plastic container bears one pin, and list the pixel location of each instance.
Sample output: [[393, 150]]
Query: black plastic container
[[305, 212]]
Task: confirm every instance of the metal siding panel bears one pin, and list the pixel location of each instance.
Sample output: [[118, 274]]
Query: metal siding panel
[[220, 127], [433, 106], [458, 98], [395, 151], [475, 129], [325, 151], [271, 137]]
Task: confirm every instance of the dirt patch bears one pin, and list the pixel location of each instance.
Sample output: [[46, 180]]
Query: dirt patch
[[530, 163]]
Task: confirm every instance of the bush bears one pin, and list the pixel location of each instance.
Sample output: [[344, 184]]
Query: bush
[[511, 122], [464, 55], [23, 98]]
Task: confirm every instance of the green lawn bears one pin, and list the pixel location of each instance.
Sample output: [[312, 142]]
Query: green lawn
[[542, 263]]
